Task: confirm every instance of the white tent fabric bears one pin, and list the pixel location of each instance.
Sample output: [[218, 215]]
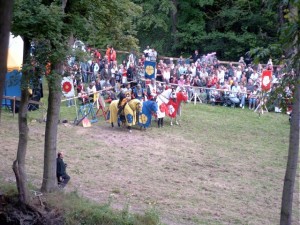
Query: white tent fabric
[[15, 53]]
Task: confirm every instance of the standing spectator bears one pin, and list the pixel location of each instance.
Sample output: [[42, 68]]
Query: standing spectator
[[171, 65], [238, 73], [152, 89], [118, 76], [123, 73], [113, 56], [105, 72], [221, 74], [254, 75], [113, 73], [139, 92], [166, 74], [153, 55], [146, 53], [159, 76], [142, 61], [108, 53], [97, 56], [84, 67], [94, 70], [230, 71], [61, 174], [131, 72], [195, 56], [241, 61], [131, 59], [249, 71], [180, 60], [193, 70]]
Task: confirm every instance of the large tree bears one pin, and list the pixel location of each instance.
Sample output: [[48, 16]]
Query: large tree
[[290, 39], [5, 22], [154, 25], [51, 25]]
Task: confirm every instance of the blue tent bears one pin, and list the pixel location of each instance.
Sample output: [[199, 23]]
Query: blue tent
[[12, 86], [14, 63]]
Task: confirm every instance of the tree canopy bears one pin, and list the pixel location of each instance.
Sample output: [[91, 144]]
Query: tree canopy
[[173, 27], [230, 28]]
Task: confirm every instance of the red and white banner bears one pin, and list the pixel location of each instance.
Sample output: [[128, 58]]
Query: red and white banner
[[266, 80]]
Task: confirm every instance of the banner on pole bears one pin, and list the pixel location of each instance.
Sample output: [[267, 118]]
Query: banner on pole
[[150, 69], [266, 80]]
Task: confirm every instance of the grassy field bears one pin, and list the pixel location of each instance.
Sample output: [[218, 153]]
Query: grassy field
[[221, 166]]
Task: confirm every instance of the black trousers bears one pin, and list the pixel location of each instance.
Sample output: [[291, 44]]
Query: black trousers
[[64, 181]]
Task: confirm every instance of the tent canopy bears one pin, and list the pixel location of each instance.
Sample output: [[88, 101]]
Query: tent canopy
[[15, 53]]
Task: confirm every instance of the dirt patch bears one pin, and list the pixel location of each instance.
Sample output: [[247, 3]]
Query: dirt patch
[[11, 213]]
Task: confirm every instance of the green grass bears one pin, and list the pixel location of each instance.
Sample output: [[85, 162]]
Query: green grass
[[78, 210], [231, 160]]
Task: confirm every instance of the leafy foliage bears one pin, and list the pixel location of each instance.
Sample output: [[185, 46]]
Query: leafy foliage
[[229, 27]]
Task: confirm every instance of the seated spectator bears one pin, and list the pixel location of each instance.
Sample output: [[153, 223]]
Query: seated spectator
[[107, 90], [182, 69], [80, 87], [181, 81], [98, 84], [234, 93], [196, 82], [242, 95], [82, 95], [253, 97], [91, 90]]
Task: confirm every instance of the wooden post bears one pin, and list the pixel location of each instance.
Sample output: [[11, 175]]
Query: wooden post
[[14, 106]]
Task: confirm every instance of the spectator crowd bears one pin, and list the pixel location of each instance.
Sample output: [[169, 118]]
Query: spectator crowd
[[203, 77]]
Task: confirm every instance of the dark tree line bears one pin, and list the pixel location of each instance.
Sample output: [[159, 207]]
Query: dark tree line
[[229, 27]]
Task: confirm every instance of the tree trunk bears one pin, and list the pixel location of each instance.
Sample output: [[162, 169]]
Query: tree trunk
[[19, 163], [292, 163], [49, 177], [5, 21]]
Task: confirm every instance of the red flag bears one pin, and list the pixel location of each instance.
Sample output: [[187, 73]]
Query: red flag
[[266, 80]]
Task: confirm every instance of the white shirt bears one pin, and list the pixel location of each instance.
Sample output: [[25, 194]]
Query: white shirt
[[91, 90]]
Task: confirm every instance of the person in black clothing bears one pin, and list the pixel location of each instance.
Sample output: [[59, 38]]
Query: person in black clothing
[[131, 72], [61, 174], [195, 56]]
